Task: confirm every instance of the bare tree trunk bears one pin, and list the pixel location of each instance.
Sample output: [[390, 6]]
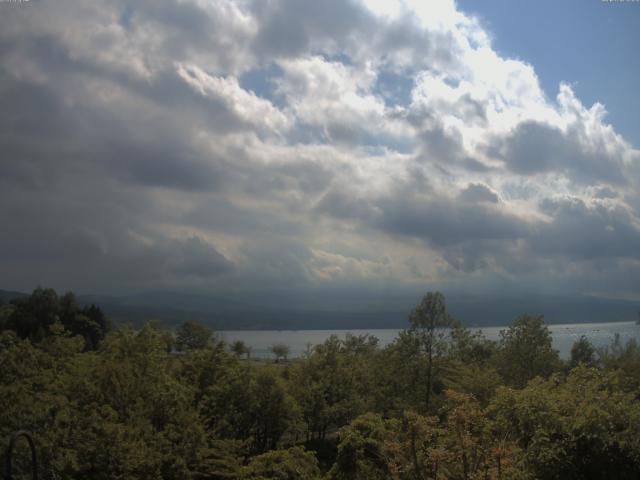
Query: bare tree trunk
[[429, 367], [414, 455]]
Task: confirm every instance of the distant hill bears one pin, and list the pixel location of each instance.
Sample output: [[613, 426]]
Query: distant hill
[[231, 314], [309, 312], [8, 295]]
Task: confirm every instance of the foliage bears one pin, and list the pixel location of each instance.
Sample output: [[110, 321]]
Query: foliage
[[401, 367], [584, 427], [526, 352], [280, 350], [624, 360], [362, 449], [459, 445], [192, 336], [35, 316], [240, 348], [124, 404], [292, 464], [582, 351], [429, 320], [330, 386]]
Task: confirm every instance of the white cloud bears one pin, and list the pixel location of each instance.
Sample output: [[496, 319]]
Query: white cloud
[[245, 105]]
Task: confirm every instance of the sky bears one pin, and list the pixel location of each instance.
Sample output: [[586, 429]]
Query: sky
[[362, 147]]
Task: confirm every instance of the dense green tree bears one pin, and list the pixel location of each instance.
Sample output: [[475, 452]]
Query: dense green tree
[[581, 428], [471, 368], [458, 444], [239, 348], [473, 450], [362, 450], [526, 351], [582, 351], [365, 344], [193, 335], [6, 310], [280, 350], [430, 322], [623, 361], [220, 460], [326, 386], [471, 347], [88, 322], [33, 315], [292, 464], [400, 372], [275, 413], [229, 406], [96, 325]]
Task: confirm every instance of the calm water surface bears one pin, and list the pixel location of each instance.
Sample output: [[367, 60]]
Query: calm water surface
[[260, 341]]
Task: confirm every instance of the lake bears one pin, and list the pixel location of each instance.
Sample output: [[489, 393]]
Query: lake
[[563, 336]]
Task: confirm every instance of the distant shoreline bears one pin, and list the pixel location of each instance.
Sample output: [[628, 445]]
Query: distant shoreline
[[470, 327]]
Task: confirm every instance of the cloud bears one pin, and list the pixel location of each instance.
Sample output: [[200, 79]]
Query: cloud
[[444, 222], [579, 230], [246, 145], [195, 257], [333, 96], [534, 148], [477, 193], [293, 28], [245, 106]]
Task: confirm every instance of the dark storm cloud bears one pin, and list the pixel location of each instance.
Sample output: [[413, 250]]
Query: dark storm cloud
[[474, 231], [165, 166], [580, 231], [46, 137], [443, 222], [537, 148], [441, 146], [340, 204], [306, 176], [416, 210], [282, 262], [217, 214], [478, 255], [69, 171], [196, 257], [102, 244]]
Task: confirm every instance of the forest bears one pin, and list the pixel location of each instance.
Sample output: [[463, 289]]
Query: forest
[[109, 401]]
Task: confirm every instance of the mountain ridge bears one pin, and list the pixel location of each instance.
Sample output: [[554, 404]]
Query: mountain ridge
[[231, 313]]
